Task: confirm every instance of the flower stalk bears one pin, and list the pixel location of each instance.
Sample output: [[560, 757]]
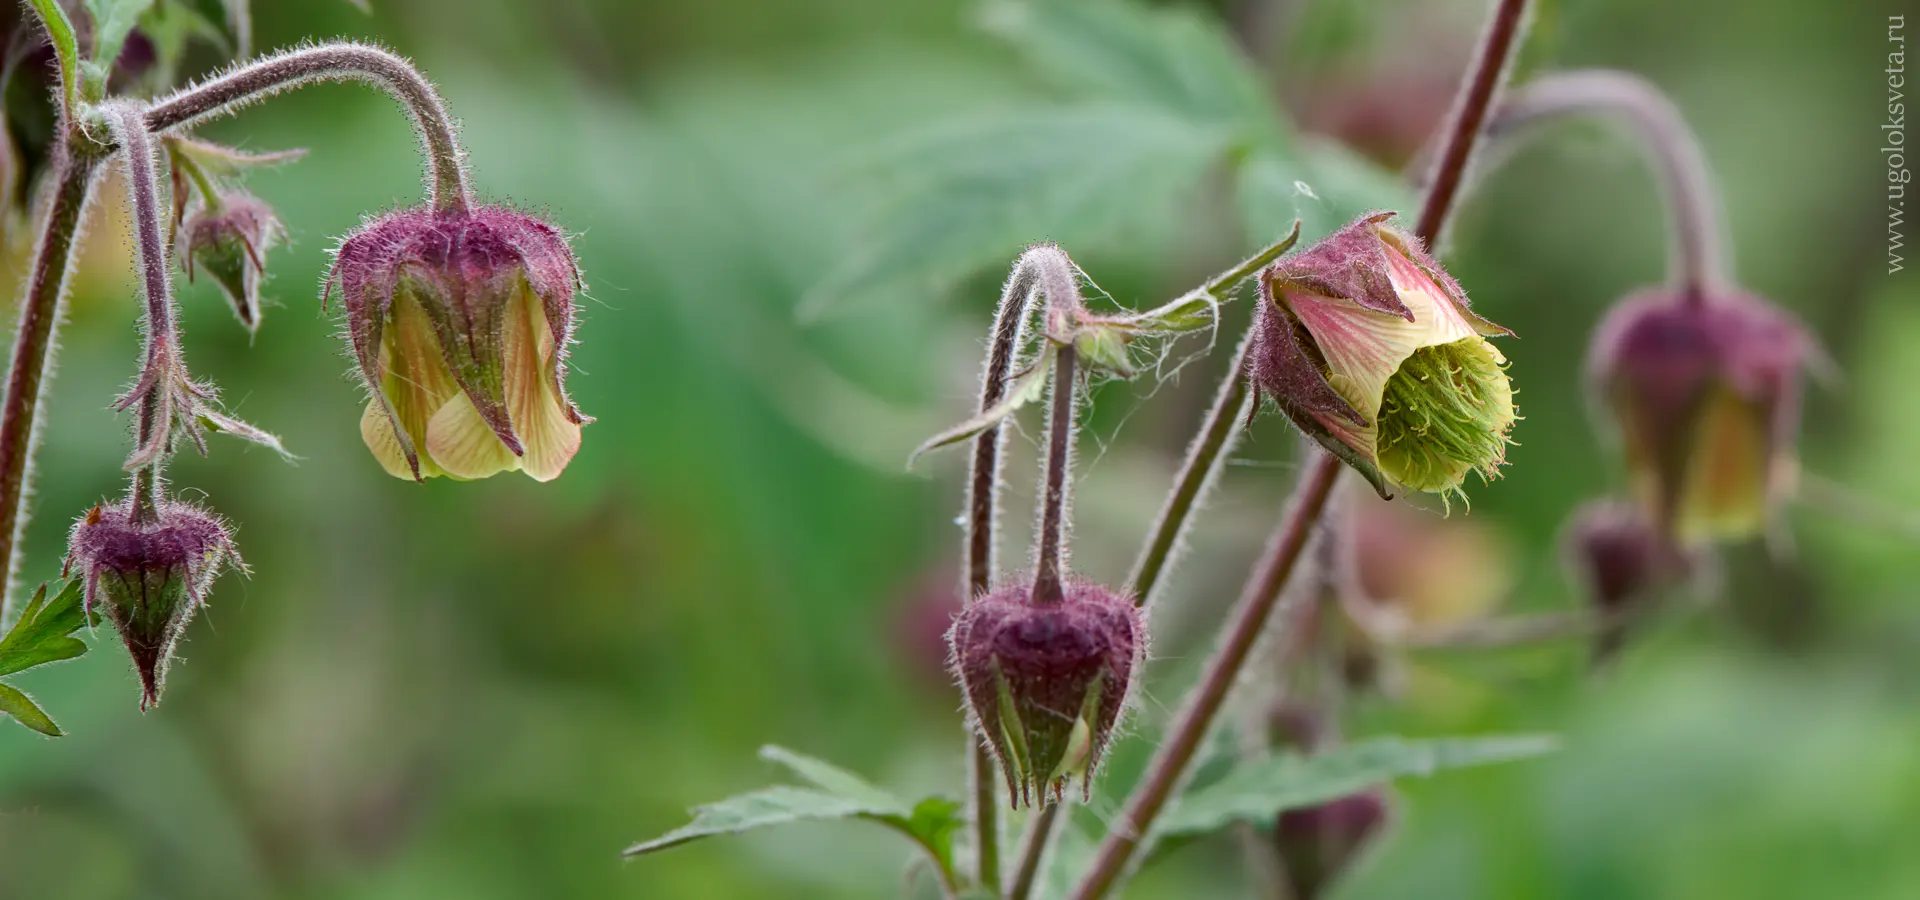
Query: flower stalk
[[345, 61], [1699, 257], [1170, 766]]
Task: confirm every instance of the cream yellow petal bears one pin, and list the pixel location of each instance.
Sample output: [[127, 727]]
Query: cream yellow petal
[[377, 431], [462, 443], [1431, 308], [539, 419]]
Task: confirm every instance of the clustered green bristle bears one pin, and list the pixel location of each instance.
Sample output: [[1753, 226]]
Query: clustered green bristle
[[1446, 411]]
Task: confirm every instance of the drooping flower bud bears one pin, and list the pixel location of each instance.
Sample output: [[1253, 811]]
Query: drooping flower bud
[[1318, 843], [1370, 348], [230, 242], [460, 322], [1622, 563], [149, 574], [1046, 683], [1706, 396]]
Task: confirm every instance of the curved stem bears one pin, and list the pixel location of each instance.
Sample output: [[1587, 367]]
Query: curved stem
[[446, 174], [1699, 242], [162, 373], [1170, 765], [41, 309], [1198, 473], [1043, 269], [1050, 549]]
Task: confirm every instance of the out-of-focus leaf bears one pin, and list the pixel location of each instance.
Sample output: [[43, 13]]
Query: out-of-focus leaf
[[172, 25], [113, 20], [1257, 790], [40, 636], [66, 49], [972, 193], [1326, 187], [22, 707], [1175, 59], [1072, 853], [836, 794], [759, 809], [832, 779], [1029, 387]]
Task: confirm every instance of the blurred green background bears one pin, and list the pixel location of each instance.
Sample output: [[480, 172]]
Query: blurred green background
[[487, 690]]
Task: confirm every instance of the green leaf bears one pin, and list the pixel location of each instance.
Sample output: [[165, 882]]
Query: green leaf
[[1029, 387], [66, 49], [1258, 790], [834, 780], [973, 193], [41, 634], [1104, 347], [172, 25], [759, 809], [113, 20], [1176, 59], [836, 794], [22, 707]]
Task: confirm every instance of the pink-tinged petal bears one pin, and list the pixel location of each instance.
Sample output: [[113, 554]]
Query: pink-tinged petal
[[376, 429], [540, 417], [462, 443], [1362, 348], [1428, 302]]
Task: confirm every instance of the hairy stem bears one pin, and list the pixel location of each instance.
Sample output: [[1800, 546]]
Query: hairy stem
[[41, 309], [162, 373], [1042, 270], [1470, 110], [1050, 547], [1033, 848], [1699, 241], [1170, 765], [446, 172]]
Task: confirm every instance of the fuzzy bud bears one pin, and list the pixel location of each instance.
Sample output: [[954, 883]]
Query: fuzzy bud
[[460, 321], [148, 574], [1370, 348], [230, 243], [1706, 395], [1318, 843], [1622, 562], [1047, 682]]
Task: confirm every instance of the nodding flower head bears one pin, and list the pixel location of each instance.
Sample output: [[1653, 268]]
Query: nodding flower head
[[1705, 392], [1622, 563], [230, 243], [1046, 682], [148, 573], [1319, 843], [460, 322], [1370, 348]]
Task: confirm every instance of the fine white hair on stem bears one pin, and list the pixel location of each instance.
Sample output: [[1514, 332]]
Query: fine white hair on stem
[[229, 91]]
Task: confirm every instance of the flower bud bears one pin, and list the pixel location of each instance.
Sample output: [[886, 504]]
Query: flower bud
[[1047, 682], [1706, 395], [1370, 348], [460, 322], [1318, 843], [1622, 562], [149, 574], [231, 242]]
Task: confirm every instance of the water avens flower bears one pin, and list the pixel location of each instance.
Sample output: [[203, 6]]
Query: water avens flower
[[148, 572], [1371, 349], [1705, 391], [1047, 681], [460, 321], [230, 243]]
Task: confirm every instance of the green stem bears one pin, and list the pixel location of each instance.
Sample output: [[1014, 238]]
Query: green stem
[[41, 309], [65, 49]]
